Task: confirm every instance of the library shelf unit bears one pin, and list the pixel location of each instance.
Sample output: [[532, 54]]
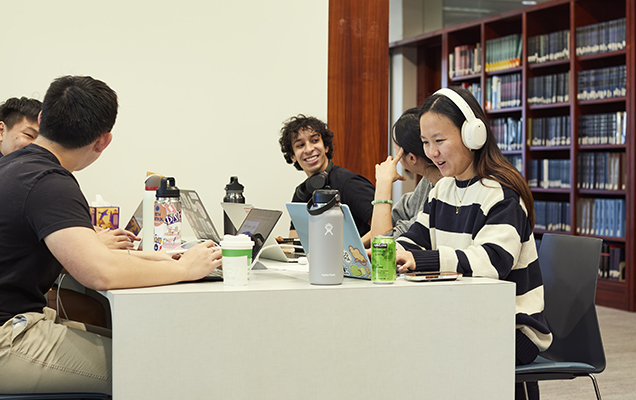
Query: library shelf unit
[[569, 124]]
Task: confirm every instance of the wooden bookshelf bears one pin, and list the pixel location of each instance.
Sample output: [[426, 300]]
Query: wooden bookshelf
[[548, 19]]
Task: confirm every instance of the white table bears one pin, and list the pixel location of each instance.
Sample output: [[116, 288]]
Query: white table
[[282, 338]]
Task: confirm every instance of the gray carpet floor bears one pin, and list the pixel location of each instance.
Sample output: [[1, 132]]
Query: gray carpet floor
[[618, 381]]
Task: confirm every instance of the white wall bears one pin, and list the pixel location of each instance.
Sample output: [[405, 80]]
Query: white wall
[[203, 85]]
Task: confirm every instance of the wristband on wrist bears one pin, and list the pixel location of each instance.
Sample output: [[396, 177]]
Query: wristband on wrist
[[374, 202]]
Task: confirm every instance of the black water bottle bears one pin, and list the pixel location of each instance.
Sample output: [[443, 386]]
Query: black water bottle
[[233, 194]]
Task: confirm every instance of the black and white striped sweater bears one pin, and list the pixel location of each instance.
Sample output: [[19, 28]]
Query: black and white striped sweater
[[487, 234]]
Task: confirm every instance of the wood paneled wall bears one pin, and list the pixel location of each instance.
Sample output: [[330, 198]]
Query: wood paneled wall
[[358, 92]]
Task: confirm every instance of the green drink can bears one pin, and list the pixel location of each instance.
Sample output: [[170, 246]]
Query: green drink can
[[383, 259]]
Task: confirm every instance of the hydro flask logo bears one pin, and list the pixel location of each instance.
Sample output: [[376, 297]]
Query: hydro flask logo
[[328, 229]]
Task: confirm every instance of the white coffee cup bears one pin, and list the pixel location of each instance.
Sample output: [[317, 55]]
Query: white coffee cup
[[237, 259]]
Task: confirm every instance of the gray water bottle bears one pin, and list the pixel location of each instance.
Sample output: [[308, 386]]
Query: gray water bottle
[[326, 222]]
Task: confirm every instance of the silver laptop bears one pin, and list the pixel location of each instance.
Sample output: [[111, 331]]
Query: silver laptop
[[198, 217], [258, 225], [237, 212]]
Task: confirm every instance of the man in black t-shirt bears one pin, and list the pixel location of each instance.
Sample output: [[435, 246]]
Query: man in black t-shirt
[[19, 127], [45, 226], [307, 143]]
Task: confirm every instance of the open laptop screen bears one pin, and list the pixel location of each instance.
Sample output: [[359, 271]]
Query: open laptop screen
[[258, 225]]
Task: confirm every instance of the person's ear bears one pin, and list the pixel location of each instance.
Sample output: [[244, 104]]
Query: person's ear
[[412, 159], [3, 127], [102, 142], [40, 118]]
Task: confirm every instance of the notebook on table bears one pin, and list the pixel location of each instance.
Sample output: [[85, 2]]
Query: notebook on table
[[355, 262]]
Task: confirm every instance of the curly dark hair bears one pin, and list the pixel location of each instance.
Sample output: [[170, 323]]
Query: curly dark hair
[[289, 133]]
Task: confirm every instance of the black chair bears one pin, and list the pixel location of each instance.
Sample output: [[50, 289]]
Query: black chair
[[57, 396], [569, 265]]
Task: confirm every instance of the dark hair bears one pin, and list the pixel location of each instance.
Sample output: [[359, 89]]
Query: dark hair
[[490, 163], [77, 110], [14, 110], [289, 133], [406, 134]]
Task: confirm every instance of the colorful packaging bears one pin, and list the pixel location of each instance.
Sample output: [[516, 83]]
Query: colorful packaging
[[105, 217]]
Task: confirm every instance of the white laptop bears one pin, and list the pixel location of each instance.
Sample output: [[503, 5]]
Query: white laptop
[[355, 262]]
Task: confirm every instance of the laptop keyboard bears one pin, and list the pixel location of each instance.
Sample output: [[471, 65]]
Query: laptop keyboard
[[217, 272]]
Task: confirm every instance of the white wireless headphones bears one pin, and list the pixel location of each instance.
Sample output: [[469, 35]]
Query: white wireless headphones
[[473, 130]]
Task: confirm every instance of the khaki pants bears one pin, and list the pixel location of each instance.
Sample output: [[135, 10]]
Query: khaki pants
[[39, 353]]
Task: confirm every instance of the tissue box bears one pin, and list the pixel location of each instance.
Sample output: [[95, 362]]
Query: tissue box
[[105, 217]]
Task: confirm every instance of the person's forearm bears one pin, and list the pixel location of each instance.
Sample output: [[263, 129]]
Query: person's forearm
[[118, 270], [95, 266], [381, 221]]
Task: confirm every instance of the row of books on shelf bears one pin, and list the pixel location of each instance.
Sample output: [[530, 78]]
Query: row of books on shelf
[[603, 83], [550, 47], [549, 174], [464, 60], [601, 171], [601, 37], [549, 131], [474, 88], [549, 89], [504, 52], [552, 216], [612, 263], [600, 217], [503, 91], [516, 160], [508, 133], [608, 128]]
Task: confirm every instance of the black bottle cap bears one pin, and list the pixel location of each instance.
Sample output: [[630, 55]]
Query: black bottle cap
[[234, 185], [325, 195], [167, 188]]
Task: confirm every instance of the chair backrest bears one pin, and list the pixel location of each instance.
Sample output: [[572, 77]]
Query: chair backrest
[[569, 266]]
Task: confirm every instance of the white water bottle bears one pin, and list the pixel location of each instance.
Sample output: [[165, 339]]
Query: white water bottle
[[326, 222], [167, 216], [148, 212]]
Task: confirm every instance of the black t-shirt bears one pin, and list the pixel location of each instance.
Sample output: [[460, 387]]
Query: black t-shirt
[[37, 197], [355, 191]]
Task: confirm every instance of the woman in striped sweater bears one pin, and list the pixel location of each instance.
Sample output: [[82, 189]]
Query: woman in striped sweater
[[478, 219]]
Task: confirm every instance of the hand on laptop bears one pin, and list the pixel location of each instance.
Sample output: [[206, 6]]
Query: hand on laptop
[[404, 260], [200, 260], [117, 239]]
